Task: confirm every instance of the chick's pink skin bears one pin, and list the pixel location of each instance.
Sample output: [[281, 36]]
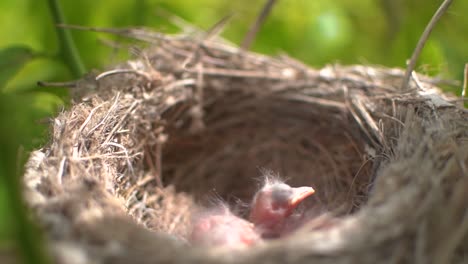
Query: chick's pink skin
[[223, 228], [273, 207]]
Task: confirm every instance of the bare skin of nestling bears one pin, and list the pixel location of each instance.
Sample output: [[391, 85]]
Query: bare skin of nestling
[[273, 214], [220, 227], [273, 208]]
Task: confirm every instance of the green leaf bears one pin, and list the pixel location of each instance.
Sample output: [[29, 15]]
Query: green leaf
[[12, 60], [39, 69]]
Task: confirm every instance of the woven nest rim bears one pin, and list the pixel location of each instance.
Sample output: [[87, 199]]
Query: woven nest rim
[[119, 145]]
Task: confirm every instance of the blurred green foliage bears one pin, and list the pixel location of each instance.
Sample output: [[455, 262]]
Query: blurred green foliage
[[316, 32]]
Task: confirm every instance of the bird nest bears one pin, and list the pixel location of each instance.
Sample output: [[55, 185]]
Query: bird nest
[[147, 143]]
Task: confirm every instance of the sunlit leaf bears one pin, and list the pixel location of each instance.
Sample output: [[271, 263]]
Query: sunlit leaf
[[40, 69], [12, 60]]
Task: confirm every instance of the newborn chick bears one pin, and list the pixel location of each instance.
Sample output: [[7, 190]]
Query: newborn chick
[[220, 227], [273, 208]]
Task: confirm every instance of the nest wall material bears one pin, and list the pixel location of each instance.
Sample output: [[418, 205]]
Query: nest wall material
[[151, 140]]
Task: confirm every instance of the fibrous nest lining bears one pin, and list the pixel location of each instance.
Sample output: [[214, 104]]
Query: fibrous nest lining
[[147, 142]]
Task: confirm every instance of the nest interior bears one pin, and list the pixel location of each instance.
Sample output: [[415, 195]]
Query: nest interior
[[149, 141], [244, 133]]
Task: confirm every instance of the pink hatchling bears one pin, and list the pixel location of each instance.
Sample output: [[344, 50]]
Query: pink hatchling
[[220, 227], [273, 208]]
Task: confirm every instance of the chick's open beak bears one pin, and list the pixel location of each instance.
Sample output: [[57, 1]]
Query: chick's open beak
[[299, 194]]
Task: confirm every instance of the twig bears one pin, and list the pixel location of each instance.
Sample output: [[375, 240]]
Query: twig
[[117, 71], [159, 161], [71, 84], [106, 116], [132, 33], [317, 101], [247, 42], [155, 170], [61, 170], [359, 121], [422, 41], [178, 21], [465, 84], [124, 117], [239, 73], [216, 29], [85, 123], [209, 35]]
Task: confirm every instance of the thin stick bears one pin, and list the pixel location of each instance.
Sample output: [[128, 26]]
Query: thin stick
[[422, 41], [465, 83], [247, 42], [133, 33], [216, 29], [71, 84], [155, 171]]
